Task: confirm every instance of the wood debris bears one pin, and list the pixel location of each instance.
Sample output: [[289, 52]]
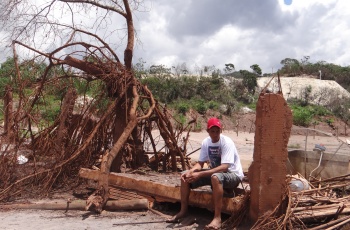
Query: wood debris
[[324, 206]]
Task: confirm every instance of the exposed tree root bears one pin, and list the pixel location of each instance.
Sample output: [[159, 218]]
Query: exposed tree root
[[114, 126]]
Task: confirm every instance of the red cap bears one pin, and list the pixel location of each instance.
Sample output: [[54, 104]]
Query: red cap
[[213, 122]]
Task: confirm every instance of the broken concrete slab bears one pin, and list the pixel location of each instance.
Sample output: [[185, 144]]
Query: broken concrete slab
[[267, 173]]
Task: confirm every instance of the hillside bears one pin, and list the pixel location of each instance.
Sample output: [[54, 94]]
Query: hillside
[[321, 92], [245, 122]]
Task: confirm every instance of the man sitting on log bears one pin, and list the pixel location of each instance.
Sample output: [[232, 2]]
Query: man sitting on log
[[225, 172]]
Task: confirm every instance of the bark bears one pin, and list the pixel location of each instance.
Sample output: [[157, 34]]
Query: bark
[[112, 154], [8, 114], [111, 205], [65, 121], [128, 53]]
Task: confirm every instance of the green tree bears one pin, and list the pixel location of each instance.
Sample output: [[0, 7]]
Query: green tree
[[249, 80], [290, 66], [187, 86], [229, 68], [256, 69], [304, 63], [31, 71], [160, 70], [7, 74]]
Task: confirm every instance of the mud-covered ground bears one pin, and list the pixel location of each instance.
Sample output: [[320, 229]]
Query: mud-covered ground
[[76, 220], [15, 219]]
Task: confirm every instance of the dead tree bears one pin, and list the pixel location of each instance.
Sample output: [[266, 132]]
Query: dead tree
[[8, 114], [78, 137]]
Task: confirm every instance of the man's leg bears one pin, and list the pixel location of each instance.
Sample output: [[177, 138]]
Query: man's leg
[[218, 193], [185, 193]]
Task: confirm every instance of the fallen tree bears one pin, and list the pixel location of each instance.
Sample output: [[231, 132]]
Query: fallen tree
[[108, 132]]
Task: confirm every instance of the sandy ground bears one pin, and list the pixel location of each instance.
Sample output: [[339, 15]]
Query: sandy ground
[[145, 219], [82, 220]]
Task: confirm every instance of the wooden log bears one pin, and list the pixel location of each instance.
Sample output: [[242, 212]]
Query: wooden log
[[161, 192], [312, 191], [111, 205], [329, 200], [329, 224], [85, 66], [137, 204], [303, 201], [314, 214], [340, 224], [311, 208]]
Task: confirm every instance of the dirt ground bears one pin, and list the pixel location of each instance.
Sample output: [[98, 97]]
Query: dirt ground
[[123, 220], [15, 219], [12, 219]]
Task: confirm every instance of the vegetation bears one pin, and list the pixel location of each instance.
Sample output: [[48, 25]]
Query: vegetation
[[224, 91], [229, 90], [323, 70], [50, 101]]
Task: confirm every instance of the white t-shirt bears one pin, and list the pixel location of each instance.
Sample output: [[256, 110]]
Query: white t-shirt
[[222, 152]]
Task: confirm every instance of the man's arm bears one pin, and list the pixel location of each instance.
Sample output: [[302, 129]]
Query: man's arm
[[188, 175], [220, 168], [192, 176], [197, 167]]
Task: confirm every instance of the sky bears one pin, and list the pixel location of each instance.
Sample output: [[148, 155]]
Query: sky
[[241, 32], [263, 32]]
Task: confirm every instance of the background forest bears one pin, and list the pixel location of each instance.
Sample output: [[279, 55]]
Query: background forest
[[225, 91]]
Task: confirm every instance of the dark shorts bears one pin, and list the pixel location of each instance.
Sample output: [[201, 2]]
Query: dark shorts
[[228, 180]]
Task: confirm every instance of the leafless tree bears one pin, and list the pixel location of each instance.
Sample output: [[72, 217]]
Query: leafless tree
[[180, 69], [83, 38]]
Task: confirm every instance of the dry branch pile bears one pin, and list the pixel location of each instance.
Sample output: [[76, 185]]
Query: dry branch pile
[[109, 132], [324, 206]]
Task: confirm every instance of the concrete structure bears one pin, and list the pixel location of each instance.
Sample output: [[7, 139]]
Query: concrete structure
[[267, 173], [314, 165]]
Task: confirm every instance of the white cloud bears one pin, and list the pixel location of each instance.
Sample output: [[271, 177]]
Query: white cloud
[[256, 34], [210, 32], [302, 5]]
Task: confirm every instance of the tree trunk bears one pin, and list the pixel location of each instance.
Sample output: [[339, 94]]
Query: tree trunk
[[8, 114]]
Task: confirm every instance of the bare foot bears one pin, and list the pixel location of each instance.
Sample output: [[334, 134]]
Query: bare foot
[[215, 224], [176, 218]]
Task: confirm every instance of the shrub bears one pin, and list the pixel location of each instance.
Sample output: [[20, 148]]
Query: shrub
[[182, 108], [329, 121], [302, 116], [213, 105], [181, 119], [320, 110], [201, 107]]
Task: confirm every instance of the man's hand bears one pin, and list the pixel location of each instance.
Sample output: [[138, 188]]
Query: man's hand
[[190, 176]]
